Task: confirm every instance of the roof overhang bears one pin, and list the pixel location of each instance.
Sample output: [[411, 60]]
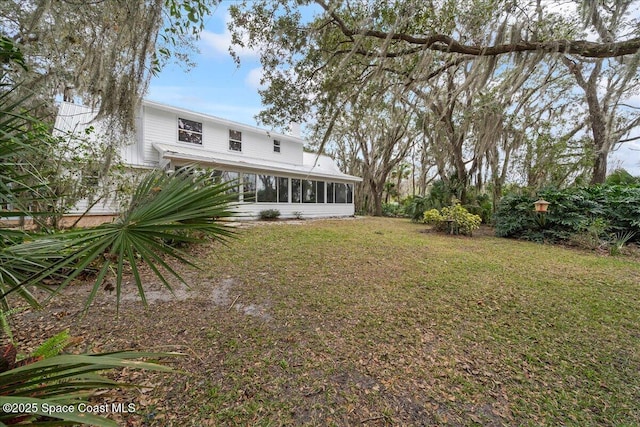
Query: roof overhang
[[214, 159]]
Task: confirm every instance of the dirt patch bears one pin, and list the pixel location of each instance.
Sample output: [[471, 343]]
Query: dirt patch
[[220, 293], [179, 293], [254, 310]]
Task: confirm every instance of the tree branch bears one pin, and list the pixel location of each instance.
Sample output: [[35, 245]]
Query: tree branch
[[635, 138], [444, 43]]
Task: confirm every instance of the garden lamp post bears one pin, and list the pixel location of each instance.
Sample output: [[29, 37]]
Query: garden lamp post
[[541, 209], [541, 206]]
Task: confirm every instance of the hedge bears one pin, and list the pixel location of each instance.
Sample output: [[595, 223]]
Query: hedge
[[570, 211]]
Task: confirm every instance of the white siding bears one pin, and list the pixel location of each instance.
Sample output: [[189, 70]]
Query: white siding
[[308, 210], [103, 207], [75, 118], [158, 124], [161, 126]]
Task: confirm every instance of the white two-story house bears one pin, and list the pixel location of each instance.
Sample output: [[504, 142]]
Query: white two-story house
[[273, 169]]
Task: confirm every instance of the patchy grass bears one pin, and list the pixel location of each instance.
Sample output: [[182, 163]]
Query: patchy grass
[[374, 322]]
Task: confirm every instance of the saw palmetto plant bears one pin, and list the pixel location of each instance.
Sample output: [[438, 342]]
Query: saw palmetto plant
[[164, 211]]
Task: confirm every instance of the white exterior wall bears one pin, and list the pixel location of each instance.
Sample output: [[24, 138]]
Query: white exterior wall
[[78, 118], [308, 210], [158, 124], [103, 207], [161, 126]]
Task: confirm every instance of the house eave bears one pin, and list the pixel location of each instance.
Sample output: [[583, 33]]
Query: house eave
[[209, 158]]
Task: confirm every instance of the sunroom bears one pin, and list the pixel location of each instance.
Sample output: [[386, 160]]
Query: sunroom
[[314, 189]]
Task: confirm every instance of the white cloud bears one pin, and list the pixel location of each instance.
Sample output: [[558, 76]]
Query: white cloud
[[253, 78], [217, 44]]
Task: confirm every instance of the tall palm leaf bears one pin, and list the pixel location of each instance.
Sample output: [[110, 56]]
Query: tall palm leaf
[[163, 207], [22, 136], [64, 380]]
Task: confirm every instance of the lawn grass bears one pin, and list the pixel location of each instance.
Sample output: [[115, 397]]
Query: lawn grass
[[373, 321]]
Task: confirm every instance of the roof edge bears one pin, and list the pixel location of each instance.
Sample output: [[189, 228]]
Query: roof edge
[[167, 153]]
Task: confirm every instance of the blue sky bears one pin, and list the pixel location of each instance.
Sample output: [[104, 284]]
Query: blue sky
[[216, 86]]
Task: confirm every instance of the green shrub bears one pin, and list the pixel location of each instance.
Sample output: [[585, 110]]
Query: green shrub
[[618, 240], [432, 217], [415, 206], [592, 234], [572, 211], [463, 221], [269, 214], [441, 195], [392, 210], [456, 217], [622, 177], [482, 206]]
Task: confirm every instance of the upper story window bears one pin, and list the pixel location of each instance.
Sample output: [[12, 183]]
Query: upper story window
[[189, 131], [276, 146], [235, 140]]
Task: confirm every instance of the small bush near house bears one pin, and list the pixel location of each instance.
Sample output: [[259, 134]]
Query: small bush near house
[[297, 215], [461, 221], [269, 214]]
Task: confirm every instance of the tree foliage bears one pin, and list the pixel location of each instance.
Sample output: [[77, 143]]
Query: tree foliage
[[490, 83], [103, 52]]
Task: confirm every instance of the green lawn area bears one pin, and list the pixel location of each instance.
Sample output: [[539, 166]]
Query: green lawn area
[[374, 321]]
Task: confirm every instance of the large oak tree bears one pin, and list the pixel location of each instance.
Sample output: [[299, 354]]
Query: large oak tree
[[312, 62]]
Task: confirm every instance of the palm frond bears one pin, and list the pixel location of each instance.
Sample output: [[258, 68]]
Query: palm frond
[[183, 208], [65, 380]]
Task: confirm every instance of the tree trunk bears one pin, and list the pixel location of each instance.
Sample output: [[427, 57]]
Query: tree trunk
[[599, 168], [377, 200], [598, 128], [597, 118]]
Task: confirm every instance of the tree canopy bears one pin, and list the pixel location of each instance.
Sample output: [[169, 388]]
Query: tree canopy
[[486, 80], [103, 52]]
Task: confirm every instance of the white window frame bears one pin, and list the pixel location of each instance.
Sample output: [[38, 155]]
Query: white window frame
[[190, 132], [234, 140]]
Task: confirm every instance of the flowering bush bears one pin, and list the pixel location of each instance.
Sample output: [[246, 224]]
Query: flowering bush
[[456, 217], [432, 217]]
